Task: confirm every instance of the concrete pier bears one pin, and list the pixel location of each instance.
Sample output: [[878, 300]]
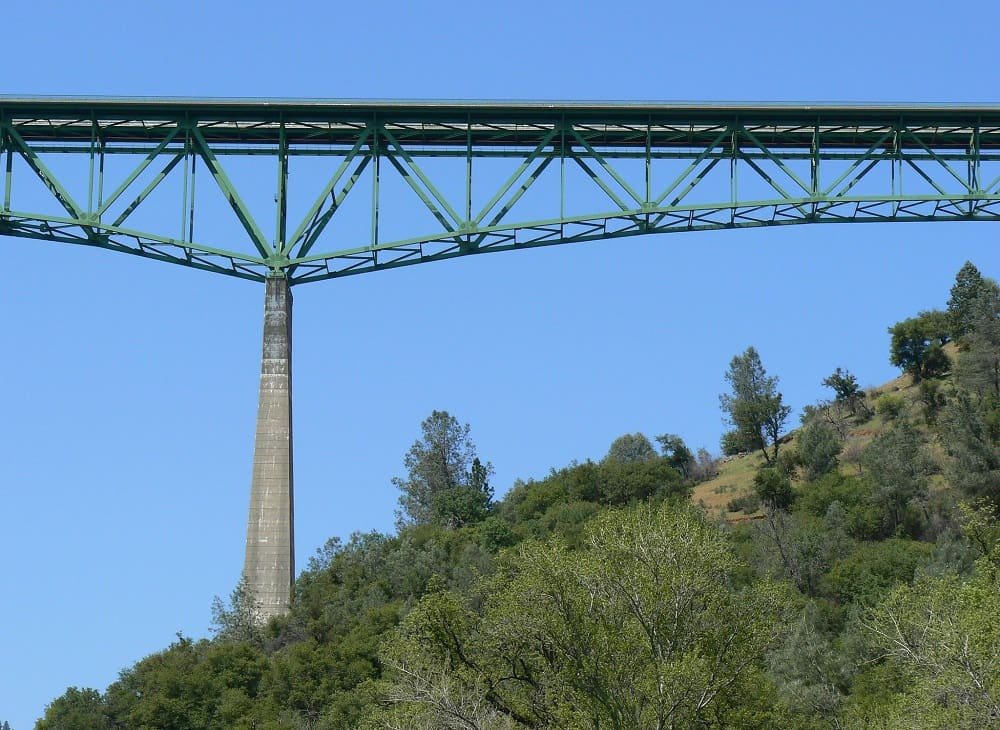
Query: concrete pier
[[269, 567]]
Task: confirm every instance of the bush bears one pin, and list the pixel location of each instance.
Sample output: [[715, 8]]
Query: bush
[[818, 449], [854, 494], [495, 534], [932, 398], [627, 482], [731, 443], [890, 406], [747, 504], [873, 569], [773, 488]]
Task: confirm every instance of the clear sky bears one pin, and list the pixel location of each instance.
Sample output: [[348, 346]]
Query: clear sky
[[130, 386]]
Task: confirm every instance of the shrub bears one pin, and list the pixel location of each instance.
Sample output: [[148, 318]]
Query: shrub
[[773, 488], [818, 449], [747, 504], [890, 406]]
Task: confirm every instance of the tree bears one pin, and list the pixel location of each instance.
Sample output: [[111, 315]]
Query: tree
[[677, 454], [624, 482], [774, 488], [818, 448], [79, 709], [899, 468], [643, 628], [978, 370], [445, 482], [969, 285], [943, 638], [974, 448], [754, 407], [631, 448], [704, 466], [844, 384], [242, 619], [917, 343]]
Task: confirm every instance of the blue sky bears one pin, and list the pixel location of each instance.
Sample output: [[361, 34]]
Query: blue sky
[[130, 397]]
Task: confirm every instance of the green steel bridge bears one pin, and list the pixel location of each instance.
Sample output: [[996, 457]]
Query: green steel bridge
[[353, 187], [609, 170]]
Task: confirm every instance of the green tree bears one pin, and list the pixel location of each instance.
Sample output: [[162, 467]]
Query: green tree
[[631, 448], [818, 447], [241, 619], [774, 488], [76, 709], [798, 546], [812, 667], [677, 454], [753, 406], [899, 467], [844, 384], [624, 482], [943, 638], [973, 444], [969, 285], [917, 342], [445, 482], [643, 628], [978, 369]]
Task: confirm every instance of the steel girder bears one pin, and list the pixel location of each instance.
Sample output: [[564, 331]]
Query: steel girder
[[557, 173]]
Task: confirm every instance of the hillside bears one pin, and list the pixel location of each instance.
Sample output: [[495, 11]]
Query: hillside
[[852, 581], [734, 479]]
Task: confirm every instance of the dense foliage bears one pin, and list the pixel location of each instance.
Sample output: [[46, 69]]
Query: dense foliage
[[861, 590]]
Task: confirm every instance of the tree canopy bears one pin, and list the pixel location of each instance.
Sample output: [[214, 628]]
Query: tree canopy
[[969, 286], [446, 483], [754, 406], [642, 628], [917, 342]]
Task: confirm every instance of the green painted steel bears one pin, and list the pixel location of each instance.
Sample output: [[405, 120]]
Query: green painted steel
[[488, 176]]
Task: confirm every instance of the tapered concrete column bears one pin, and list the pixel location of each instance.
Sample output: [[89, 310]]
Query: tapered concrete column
[[270, 553]]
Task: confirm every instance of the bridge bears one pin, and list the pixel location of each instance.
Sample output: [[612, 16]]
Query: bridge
[[291, 192]]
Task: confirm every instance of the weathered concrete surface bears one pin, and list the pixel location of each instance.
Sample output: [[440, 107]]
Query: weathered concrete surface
[[269, 567]]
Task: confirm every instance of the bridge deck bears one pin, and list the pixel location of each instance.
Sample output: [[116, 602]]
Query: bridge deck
[[484, 124]]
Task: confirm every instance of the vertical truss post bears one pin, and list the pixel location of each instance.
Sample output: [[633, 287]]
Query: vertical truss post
[[733, 170], [562, 167], [8, 169], [974, 161], [269, 567], [281, 195], [376, 172], [90, 174]]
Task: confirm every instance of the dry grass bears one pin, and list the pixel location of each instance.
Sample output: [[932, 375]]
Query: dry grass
[[735, 478]]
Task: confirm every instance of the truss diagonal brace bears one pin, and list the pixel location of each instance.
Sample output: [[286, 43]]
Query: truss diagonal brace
[[420, 174], [313, 233], [509, 183], [45, 175], [608, 168], [229, 190], [138, 171], [306, 229]]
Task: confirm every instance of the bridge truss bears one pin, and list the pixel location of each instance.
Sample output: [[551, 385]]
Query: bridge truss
[[121, 174]]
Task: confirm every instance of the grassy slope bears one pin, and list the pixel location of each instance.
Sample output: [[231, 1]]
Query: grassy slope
[[735, 477]]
